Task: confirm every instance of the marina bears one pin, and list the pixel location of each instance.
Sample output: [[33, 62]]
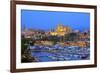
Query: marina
[[59, 53]]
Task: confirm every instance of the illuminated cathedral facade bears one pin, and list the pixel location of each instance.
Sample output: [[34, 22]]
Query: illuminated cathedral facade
[[61, 30]]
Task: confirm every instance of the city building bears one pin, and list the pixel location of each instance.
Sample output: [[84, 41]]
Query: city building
[[28, 33]]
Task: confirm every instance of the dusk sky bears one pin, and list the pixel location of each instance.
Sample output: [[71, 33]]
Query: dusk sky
[[47, 20]]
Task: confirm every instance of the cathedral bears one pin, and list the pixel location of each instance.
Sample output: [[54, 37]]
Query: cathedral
[[61, 30]]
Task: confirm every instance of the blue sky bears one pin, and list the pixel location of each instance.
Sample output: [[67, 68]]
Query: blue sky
[[47, 20]]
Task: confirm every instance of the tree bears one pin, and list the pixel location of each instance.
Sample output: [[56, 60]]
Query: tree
[[25, 53], [71, 37], [55, 39]]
